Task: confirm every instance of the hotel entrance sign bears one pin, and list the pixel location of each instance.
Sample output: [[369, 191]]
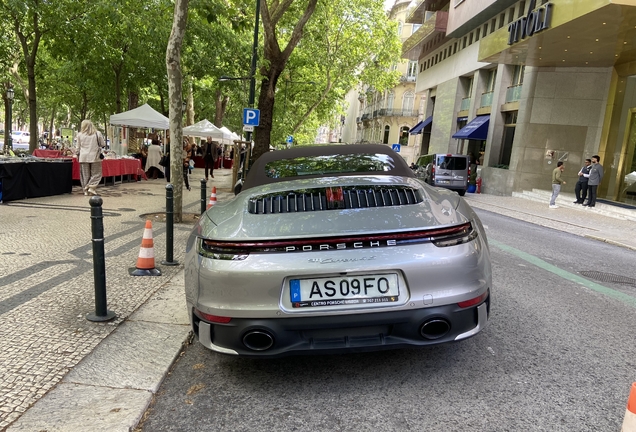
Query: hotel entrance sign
[[534, 22]]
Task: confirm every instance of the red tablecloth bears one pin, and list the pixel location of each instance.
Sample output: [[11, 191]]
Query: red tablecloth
[[115, 168], [47, 153]]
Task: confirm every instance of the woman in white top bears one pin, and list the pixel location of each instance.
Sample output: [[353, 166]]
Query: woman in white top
[[152, 167], [89, 143]]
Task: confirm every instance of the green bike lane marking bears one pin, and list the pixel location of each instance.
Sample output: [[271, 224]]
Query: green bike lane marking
[[617, 295]]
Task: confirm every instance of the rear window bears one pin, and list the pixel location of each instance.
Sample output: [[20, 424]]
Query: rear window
[[452, 162], [329, 164]]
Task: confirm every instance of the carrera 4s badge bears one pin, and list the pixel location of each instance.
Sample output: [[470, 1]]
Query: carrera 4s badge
[[339, 260]]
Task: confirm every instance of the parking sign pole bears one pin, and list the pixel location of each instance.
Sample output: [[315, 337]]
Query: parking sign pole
[[252, 95]]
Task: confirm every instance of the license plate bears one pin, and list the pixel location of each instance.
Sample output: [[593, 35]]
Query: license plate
[[344, 291], [443, 181]]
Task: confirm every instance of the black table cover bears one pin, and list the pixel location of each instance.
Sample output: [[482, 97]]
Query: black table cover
[[31, 179]]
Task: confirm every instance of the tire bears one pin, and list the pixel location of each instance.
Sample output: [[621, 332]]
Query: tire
[[461, 192]]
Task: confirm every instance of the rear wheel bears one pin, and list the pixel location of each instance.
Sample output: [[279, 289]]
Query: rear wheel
[[461, 192]]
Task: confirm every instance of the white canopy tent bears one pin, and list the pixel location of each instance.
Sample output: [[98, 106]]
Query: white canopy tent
[[234, 137], [141, 117], [204, 129]]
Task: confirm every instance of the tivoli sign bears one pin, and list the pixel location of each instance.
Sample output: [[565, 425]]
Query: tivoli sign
[[534, 22]]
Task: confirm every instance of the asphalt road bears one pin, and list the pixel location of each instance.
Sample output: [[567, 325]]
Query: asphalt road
[[557, 355]]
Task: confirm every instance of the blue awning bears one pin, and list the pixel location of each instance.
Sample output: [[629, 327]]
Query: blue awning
[[476, 129], [417, 129]]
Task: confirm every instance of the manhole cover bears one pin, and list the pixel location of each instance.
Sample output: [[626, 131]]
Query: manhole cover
[[187, 218], [608, 277]]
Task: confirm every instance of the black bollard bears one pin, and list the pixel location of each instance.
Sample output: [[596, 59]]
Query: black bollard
[[99, 264], [204, 192], [169, 227]]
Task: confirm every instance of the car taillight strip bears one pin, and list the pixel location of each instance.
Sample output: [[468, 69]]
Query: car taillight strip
[[239, 250], [333, 198]]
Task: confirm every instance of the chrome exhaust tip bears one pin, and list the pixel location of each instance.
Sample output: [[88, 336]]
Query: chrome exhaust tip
[[435, 329], [258, 340]]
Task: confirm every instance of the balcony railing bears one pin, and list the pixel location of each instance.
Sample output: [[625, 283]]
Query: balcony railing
[[366, 117], [358, 120], [513, 93], [434, 25], [408, 78], [390, 112], [486, 100], [465, 104]]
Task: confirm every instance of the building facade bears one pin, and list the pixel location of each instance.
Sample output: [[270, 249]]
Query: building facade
[[521, 85], [387, 117]]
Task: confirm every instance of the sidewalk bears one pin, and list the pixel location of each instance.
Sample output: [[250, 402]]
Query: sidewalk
[[606, 223], [115, 369], [58, 371]]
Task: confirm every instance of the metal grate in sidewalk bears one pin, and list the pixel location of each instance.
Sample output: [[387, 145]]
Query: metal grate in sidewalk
[[608, 277]]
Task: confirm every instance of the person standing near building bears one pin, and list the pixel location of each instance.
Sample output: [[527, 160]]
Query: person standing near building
[[580, 189], [209, 156], [556, 183], [595, 178], [89, 143]]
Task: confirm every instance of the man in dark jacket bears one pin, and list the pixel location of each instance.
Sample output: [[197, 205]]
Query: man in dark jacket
[[595, 178], [209, 156], [580, 189]]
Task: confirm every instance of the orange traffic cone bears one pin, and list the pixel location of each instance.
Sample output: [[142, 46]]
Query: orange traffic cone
[[629, 423], [212, 198], [146, 261]]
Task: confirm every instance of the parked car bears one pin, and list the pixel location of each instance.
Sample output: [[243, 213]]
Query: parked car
[[450, 171], [336, 248], [20, 140]]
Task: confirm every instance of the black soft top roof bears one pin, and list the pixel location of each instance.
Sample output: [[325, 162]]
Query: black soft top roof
[[257, 177]]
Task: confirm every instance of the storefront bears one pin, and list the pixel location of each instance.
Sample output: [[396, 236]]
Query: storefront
[[578, 96]]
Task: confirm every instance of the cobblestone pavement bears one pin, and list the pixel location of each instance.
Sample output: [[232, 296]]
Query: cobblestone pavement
[[46, 278]]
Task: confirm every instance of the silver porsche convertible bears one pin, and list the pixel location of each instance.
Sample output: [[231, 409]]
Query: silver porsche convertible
[[334, 249]]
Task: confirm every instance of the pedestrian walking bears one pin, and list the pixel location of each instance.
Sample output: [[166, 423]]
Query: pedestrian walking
[[580, 189], [210, 156], [594, 179], [89, 144], [556, 183]]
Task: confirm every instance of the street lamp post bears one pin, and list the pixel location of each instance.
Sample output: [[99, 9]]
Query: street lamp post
[[8, 128], [252, 95]]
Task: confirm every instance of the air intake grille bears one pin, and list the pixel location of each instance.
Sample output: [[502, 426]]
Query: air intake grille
[[318, 199]]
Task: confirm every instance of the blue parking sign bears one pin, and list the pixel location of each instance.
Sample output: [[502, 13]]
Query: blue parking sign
[[251, 117], [396, 147]]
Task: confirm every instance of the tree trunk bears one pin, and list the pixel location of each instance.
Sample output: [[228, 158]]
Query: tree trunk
[[175, 79], [29, 60], [275, 62]]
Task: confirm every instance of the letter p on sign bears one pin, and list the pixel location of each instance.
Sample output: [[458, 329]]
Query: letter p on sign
[[251, 117]]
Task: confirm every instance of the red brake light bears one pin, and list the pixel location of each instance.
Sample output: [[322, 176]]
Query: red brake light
[[474, 301], [212, 318]]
